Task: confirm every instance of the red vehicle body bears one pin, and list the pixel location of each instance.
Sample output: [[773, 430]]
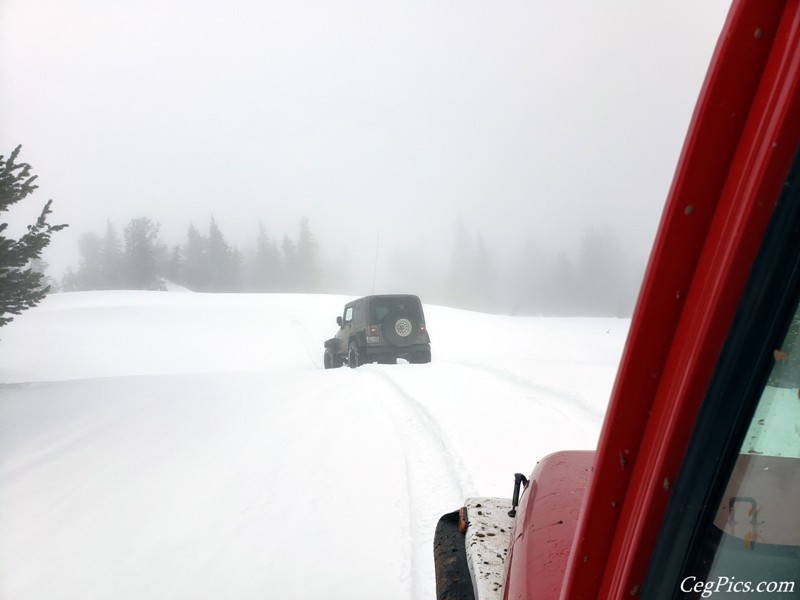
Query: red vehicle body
[[634, 518]]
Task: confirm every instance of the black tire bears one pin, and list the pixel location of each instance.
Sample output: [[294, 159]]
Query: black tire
[[354, 358], [421, 358], [400, 328], [330, 360], [453, 581]]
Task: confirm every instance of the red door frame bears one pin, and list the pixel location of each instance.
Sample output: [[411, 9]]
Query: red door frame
[[740, 143]]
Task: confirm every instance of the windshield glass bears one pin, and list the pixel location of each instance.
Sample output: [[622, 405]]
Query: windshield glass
[[757, 527]]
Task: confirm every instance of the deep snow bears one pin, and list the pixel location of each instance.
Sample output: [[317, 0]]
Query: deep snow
[[181, 445]]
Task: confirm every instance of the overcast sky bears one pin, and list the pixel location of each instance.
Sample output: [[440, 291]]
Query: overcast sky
[[381, 121]]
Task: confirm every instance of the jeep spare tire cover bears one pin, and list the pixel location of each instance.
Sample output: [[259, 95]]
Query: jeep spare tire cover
[[398, 328]]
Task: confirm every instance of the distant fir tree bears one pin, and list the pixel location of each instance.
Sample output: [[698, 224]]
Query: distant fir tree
[[112, 260], [70, 282], [307, 260], [290, 264], [39, 265], [471, 278], [529, 291], [607, 281], [564, 287], [90, 276], [21, 286], [175, 265], [222, 262], [142, 255], [236, 278], [265, 269], [195, 270], [483, 277]]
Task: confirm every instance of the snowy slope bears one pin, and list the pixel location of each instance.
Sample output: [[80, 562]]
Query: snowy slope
[[180, 445]]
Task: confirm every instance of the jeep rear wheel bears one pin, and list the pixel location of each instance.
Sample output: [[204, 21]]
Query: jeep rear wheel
[[420, 358], [354, 358]]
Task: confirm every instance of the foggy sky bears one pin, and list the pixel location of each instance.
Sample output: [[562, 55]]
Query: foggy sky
[[383, 122]]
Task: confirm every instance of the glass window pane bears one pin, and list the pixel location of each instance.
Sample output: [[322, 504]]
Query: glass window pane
[[755, 546]]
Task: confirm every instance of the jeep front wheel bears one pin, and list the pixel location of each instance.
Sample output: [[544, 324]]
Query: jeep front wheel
[[330, 360]]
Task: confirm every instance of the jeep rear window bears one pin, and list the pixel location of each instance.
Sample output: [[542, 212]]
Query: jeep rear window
[[383, 306]]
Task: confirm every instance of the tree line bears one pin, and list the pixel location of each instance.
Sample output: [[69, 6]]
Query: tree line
[[599, 280], [204, 262]]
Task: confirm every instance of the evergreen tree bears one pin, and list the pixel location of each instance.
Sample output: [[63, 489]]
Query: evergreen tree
[[290, 278], [607, 283], [471, 278], [142, 254], [111, 260], [483, 278], [307, 262], [195, 268], [70, 281], [563, 296], [235, 283], [175, 265], [90, 267], [529, 287], [222, 262], [41, 266], [266, 267], [20, 286]]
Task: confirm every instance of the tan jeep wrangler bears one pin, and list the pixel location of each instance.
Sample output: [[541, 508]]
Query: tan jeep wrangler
[[379, 329]]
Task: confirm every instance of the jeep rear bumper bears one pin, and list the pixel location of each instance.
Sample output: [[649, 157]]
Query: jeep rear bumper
[[397, 351]]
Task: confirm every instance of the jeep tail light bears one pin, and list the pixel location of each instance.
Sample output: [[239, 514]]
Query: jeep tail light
[[422, 326]]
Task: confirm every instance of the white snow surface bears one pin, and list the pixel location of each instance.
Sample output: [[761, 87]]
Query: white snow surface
[[161, 445]]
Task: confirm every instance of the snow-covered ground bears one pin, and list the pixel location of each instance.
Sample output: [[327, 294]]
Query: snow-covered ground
[[189, 446]]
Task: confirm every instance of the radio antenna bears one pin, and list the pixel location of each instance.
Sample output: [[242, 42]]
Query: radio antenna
[[375, 264]]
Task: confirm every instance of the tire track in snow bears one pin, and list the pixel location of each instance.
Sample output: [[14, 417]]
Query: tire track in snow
[[456, 468], [310, 345], [431, 466], [586, 410]]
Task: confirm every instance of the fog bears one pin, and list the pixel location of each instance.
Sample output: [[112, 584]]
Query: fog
[[526, 128]]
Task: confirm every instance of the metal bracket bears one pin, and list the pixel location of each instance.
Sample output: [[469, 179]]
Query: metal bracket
[[519, 478]]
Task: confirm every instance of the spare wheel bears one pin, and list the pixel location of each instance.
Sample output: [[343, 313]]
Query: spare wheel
[[399, 328]]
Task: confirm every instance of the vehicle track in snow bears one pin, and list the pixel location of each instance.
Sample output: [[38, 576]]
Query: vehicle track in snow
[[548, 396], [310, 344], [437, 480]]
